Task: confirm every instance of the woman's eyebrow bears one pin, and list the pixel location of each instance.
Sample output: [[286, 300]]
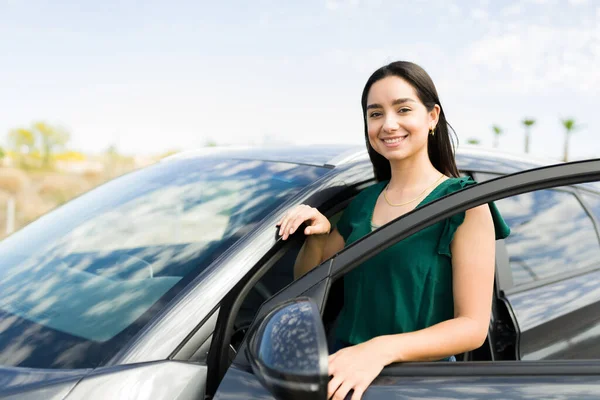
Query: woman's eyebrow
[[403, 100], [395, 103]]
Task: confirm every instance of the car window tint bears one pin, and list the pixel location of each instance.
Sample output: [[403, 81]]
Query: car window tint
[[76, 284], [551, 234]]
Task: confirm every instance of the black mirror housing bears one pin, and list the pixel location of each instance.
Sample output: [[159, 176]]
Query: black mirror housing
[[288, 351]]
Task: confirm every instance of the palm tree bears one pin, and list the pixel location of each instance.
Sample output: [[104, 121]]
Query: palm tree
[[569, 125], [528, 122], [497, 132]]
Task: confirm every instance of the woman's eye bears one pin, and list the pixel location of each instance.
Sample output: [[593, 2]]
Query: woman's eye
[[403, 110], [375, 114]]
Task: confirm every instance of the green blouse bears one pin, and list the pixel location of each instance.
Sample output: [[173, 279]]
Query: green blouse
[[408, 286]]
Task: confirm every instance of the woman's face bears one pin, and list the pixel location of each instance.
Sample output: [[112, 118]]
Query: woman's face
[[398, 124]]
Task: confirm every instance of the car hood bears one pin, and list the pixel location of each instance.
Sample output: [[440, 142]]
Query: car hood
[[31, 383]]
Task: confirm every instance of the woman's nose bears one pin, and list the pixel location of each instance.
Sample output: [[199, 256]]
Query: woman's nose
[[390, 124]]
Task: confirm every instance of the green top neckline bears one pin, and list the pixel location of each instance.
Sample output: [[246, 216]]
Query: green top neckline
[[379, 191]]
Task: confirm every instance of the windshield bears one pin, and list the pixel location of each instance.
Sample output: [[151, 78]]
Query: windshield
[[76, 284]]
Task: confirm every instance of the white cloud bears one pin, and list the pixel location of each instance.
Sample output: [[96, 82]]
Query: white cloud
[[337, 4], [479, 14], [515, 9], [454, 10], [332, 5], [578, 2], [539, 58]]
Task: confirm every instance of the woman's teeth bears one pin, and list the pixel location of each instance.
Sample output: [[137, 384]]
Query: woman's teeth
[[395, 140]]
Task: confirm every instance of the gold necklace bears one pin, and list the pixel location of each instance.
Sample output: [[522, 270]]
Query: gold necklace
[[411, 201]]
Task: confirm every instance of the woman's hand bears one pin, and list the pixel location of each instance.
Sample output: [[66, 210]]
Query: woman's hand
[[354, 368], [317, 223]]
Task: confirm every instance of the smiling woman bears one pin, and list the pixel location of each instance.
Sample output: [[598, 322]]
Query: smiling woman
[[433, 293]]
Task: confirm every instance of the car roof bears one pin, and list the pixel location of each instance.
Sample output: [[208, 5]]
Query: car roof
[[468, 158]]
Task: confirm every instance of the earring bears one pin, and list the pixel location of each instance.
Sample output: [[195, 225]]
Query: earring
[[432, 132]]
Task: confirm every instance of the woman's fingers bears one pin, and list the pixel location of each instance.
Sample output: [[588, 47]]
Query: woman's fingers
[[293, 219], [333, 386], [304, 215], [342, 391], [287, 221], [358, 392], [290, 222]]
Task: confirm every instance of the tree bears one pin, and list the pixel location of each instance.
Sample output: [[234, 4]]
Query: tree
[[51, 139], [570, 127], [497, 132], [528, 122], [473, 141], [21, 141]]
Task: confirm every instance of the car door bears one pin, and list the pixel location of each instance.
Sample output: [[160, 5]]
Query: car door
[[553, 282], [478, 380]]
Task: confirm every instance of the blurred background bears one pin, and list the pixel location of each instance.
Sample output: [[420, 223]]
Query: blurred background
[[92, 90]]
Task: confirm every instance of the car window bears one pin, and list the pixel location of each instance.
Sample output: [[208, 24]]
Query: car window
[[551, 234], [79, 282], [550, 230], [592, 200]]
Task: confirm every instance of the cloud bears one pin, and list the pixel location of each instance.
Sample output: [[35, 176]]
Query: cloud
[[333, 5], [578, 2], [539, 58], [512, 10], [454, 10], [479, 14]]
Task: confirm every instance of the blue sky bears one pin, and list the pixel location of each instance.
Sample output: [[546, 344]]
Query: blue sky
[[151, 76]]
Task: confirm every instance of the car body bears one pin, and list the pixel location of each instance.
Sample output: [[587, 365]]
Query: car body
[[138, 289]]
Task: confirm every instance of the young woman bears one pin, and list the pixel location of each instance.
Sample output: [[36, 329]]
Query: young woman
[[429, 296]]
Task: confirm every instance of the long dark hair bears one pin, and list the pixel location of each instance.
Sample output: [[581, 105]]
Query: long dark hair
[[440, 147]]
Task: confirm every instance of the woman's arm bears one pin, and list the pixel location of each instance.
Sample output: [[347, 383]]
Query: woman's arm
[[320, 243], [315, 250], [473, 262]]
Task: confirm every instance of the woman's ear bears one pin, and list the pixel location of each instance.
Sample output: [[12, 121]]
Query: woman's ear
[[434, 116]]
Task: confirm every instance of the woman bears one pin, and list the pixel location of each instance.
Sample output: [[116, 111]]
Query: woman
[[429, 296]]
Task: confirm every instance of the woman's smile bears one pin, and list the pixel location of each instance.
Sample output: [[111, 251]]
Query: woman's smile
[[394, 141]]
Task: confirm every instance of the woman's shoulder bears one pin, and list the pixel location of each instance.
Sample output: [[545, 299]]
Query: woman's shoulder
[[453, 184], [366, 196], [371, 191]]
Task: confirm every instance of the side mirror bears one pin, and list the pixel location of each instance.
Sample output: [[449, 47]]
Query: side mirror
[[288, 351]]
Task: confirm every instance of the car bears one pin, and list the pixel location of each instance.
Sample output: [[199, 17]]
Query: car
[[168, 282]]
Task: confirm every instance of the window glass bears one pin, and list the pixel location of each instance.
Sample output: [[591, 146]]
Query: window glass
[[593, 202], [550, 234], [76, 284]]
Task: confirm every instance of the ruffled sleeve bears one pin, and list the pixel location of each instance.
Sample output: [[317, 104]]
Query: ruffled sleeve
[[452, 223]]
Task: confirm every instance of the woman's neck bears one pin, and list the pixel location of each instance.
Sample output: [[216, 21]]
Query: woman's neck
[[412, 173]]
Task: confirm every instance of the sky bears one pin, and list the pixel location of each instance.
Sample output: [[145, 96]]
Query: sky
[[150, 76]]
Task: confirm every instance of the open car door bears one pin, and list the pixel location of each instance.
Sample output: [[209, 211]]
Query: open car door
[[283, 360]]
